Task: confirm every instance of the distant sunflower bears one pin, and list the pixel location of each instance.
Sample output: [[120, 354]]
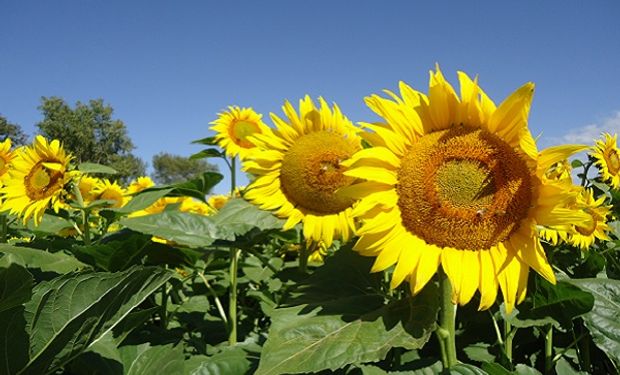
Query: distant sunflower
[[87, 186], [457, 182], [139, 184], [6, 155], [559, 171], [111, 191], [36, 180], [584, 235], [218, 201], [607, 158], [234, 128], [298, 170]]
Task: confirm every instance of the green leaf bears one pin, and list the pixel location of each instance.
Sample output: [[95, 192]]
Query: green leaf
[[13, 340], [240, 216], [562, 303], [208, 153], [58, 262], [147, 360], [603, 321], [70, 312], [344, 320], [96, 168], [15, 289], [479, 352], [230, 361], [522, 369], [209, 141], [495, 369], [114, 255], [15, 286], [50, 224], [576, 163], [465, 369], [563, 367], [183, 228], [141, 201]]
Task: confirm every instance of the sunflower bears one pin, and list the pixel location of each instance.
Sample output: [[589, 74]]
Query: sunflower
[[87, 186], [234, 129], [298, 170], [218, 201], [36, 180], [6, 155], [584, 235], [559, 171], [110, 191], [139, 184], [607, 157], [457, 182]]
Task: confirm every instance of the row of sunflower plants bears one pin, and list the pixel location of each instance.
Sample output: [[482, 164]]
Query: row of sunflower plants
[[399, 246]]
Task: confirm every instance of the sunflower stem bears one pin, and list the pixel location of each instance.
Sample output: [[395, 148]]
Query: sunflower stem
[[233, 175], [447, 321], [86, 230], [4, 228], [303, 258], [509, 334], [232, 302], [586, 167], [549, 350]]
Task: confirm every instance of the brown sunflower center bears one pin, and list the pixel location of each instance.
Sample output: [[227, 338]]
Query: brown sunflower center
[[42, 182], [241, 130], [311, 172], [463, 188], [613, 162], [589, 229]]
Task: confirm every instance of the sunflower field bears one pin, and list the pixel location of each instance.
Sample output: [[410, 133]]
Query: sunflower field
[[438, 240]]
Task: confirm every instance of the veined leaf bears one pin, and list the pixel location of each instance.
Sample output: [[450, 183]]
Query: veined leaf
[[603, 321], [96, 168], [147, 360], [70, 312], [344, 320], [58, 262], [240, 216], [184, 228]]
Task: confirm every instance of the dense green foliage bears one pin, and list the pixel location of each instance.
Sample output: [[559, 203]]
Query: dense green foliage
[[91, 134], [13, 131], [169, 168]]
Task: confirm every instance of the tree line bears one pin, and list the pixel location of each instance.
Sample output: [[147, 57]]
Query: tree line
[[91, 134]]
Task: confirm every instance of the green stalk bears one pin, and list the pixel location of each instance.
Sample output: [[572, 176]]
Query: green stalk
[[232, 302], [4, 228], [447, 322], [304, 252], [584, 178], [509, 334], [86, 230], [233, 176], [549, 350]]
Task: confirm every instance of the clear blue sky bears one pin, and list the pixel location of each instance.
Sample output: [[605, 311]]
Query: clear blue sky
[[168, 67]]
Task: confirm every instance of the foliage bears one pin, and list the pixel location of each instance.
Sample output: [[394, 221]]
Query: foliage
[[169, 168], [13, 131], [91, 134]]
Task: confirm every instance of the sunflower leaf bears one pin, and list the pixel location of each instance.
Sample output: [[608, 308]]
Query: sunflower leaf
[[70, 312], [603, 321], [344, 320], [96, 168]]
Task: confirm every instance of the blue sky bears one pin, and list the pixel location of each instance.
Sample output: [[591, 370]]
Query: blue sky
[[168, 68]]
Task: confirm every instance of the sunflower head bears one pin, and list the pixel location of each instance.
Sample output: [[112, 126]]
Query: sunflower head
[[457, 182], [299, 169], [584, 234], [37, 179], [234, 129], [87, 186], [139, 184], [559, 171], [110, 191], [607, 157], [218, 201], [6, 155]]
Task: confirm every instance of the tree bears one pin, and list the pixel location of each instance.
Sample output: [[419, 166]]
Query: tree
[[90, 133], [13, 131], [174, 168]]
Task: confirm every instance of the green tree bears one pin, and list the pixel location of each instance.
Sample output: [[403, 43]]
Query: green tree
[[13, 131], [90, 133], [170, 168]]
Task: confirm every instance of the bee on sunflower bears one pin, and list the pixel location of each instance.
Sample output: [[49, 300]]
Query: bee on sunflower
[[457, 182], [298, 169], [36, 179]]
